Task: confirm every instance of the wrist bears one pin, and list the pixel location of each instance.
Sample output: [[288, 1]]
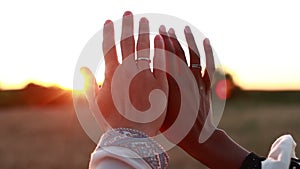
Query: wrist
[[138, 142], [252, 161], [219, 151]]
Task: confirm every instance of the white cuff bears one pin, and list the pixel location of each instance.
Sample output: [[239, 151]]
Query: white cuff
[[282, 150]]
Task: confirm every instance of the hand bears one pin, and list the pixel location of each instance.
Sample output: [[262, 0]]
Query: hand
[[123, 98], [204, 141], [203, 108]]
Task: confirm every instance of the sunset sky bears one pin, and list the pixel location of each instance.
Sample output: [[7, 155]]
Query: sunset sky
[[256, 41]]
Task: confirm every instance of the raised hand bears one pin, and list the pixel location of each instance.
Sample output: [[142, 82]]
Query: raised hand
[[131, 96], [204, 141]]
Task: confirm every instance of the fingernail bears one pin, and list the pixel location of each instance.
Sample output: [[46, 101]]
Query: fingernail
[[81, 69], [157, 38], [171, 31], [158, 42], [127, 13], [107, 22], [206, 41], [162, 29], [187, 29], [144, 20], [83, 72]]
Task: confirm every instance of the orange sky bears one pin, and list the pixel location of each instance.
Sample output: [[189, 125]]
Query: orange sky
[[259, 48]]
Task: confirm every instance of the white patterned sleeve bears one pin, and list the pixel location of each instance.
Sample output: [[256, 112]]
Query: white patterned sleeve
[[128, 149]]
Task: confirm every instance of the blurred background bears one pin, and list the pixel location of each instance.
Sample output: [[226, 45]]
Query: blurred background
[[257, 43]]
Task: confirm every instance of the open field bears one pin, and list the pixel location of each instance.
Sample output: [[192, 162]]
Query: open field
[[52, 138]]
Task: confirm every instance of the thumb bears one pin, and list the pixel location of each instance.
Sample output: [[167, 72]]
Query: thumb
[[90, 90], [90, 85]]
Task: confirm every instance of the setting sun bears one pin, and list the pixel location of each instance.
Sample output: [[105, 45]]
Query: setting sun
[[260, 50]]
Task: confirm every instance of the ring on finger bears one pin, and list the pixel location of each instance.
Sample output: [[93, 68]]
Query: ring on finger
[[143, 59], [196, 66]]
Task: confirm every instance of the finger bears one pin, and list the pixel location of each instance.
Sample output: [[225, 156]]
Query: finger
[[179, 52], [177, 47], [193, 49], [210, 63], [90, 85], [127, 39], [167, 42], [170, 51], [195, 63], [159, 61], [143, 45], [109, 49]]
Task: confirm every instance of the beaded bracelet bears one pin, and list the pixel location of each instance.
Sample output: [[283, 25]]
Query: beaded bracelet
[[137, 141]]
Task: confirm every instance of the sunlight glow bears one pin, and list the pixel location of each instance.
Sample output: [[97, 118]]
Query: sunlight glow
[[41, 46]]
